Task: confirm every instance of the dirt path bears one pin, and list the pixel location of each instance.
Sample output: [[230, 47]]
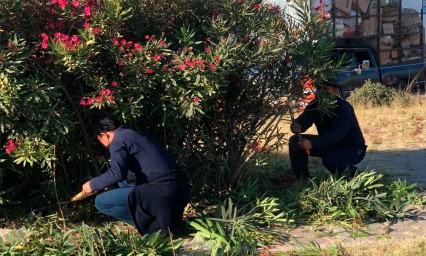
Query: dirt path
[[408, 162]]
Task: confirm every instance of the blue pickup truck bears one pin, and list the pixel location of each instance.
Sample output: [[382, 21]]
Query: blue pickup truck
[[361, 65]]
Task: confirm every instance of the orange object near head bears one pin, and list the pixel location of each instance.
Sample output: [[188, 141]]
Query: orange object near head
[[309, 89]]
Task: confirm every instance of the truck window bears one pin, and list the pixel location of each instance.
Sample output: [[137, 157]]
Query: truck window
[[342, 56], [360, 56]]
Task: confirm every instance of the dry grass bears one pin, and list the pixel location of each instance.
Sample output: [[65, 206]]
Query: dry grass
[[391, 247], [397, 126]]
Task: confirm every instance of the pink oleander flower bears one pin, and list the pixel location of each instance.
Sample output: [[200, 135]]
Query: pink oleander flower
[[182, 67], [157, 58], [149, 71], [87, 11], [137, 47], [190, 62], [62, 3], [86, 101], [326, 16], [44, 41], [105, 92], [114, 84], [10, 146], [96, 31]]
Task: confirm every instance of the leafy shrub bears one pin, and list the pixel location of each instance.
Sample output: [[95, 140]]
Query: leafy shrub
[[364, 197], [236, 231], [48, 236], [201, 76], [375, 94]]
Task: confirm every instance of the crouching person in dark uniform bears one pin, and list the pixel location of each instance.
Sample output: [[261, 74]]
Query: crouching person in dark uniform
[[157, 197], [340, 142]]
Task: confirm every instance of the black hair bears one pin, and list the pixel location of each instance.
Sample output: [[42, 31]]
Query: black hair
[[103, 123]]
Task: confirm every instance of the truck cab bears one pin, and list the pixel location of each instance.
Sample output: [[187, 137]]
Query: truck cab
[[359, 66]]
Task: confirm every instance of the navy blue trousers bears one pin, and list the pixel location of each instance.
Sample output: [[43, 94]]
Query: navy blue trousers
[[335, 158]]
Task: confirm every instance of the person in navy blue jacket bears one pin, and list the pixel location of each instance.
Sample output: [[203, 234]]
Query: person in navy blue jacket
[[340, 142], [152, 189]]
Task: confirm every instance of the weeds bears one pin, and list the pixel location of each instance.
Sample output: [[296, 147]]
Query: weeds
[[47, 237], [360, 199]]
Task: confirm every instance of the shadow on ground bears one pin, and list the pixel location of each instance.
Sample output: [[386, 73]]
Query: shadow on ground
[[408, 164]]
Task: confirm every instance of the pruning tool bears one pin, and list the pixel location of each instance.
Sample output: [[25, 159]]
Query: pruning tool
[[79, 197], [297, 133]]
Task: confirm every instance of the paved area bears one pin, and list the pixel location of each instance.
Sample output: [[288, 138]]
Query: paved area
[[405, 163], [332, 235]]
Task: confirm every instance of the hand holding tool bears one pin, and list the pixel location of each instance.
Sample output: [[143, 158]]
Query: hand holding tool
[[78, 197]]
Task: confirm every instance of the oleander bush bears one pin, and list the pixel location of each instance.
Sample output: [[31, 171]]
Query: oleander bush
[[203, 77]]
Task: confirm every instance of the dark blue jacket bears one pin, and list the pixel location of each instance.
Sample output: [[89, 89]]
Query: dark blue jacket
[[135, 152], [161, 193], [339, 129]]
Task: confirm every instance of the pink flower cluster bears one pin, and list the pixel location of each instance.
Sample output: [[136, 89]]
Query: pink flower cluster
[[196, 100], [321, 8], [123, 44], [105, 95], [198, 62], [75, 3], [44, 40], [87, 101], [10, 146], [69, 42], [129, 49]]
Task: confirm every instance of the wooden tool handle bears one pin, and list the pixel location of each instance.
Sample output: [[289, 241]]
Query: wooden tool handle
[[81, 196]]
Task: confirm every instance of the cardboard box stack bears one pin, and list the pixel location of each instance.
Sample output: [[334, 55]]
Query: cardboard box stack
[[386, 44], [399, 32], [411, 41], [352, 19]]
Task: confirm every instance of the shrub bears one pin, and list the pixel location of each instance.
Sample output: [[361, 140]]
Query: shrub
[[375, 94], [201, 76]]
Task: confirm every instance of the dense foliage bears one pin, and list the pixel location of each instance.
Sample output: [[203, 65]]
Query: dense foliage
[[203, 77], [375, 94]]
